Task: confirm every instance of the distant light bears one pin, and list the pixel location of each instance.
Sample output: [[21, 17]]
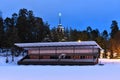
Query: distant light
[[79, 40], [102, 51], [60, 14]]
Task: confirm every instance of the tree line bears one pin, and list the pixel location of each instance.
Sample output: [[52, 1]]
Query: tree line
[[24, 27]]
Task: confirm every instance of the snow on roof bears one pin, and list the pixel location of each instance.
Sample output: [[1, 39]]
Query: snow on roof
[[48, 44]]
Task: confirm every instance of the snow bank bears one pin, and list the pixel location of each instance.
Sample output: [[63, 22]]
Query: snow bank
[[109, 61], [10, 62]]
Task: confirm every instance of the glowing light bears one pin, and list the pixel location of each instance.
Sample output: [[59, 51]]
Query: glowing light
[[79, 40], [60, 14]]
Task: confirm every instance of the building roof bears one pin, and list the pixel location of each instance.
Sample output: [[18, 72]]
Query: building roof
[[55, 44]]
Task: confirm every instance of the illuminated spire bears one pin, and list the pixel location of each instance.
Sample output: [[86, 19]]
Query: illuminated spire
[[60, 18], [60, 27]]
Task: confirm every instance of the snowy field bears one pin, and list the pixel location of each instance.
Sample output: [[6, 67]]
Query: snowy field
[[11, 71]]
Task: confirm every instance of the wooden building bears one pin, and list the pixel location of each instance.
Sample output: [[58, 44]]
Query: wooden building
[[61, 53]]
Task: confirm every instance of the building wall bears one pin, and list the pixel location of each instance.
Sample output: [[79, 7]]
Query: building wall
[[70, 52], [62, 50]]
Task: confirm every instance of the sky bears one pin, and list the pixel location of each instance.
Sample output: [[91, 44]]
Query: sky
[[77, 14]]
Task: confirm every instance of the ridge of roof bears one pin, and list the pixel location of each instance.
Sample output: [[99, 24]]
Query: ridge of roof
[[40, 44]]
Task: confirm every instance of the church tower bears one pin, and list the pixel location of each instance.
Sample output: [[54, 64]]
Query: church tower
[[60, 28]]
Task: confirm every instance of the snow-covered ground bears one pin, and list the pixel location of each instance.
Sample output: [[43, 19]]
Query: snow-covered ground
[[10, 62], [60, 72], [97, 72], [11, 71], [109, 61]]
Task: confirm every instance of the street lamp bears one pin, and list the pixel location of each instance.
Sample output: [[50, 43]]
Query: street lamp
[[79, 40]]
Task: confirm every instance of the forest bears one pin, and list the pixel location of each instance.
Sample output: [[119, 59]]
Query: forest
[[24, 27]]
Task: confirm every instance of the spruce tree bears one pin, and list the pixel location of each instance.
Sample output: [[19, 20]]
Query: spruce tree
[[1, 33], [114, 28]]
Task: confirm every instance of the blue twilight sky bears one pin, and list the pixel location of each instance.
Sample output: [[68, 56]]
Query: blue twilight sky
[[75, 13]]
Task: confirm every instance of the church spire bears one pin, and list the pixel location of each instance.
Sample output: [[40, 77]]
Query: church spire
[[60, 28], [59, 19]]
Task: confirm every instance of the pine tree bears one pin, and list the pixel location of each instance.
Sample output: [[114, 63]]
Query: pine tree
[[54, 35], [114, 28], [1, 33], [89, 30], [39, 29], [22, 25]]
